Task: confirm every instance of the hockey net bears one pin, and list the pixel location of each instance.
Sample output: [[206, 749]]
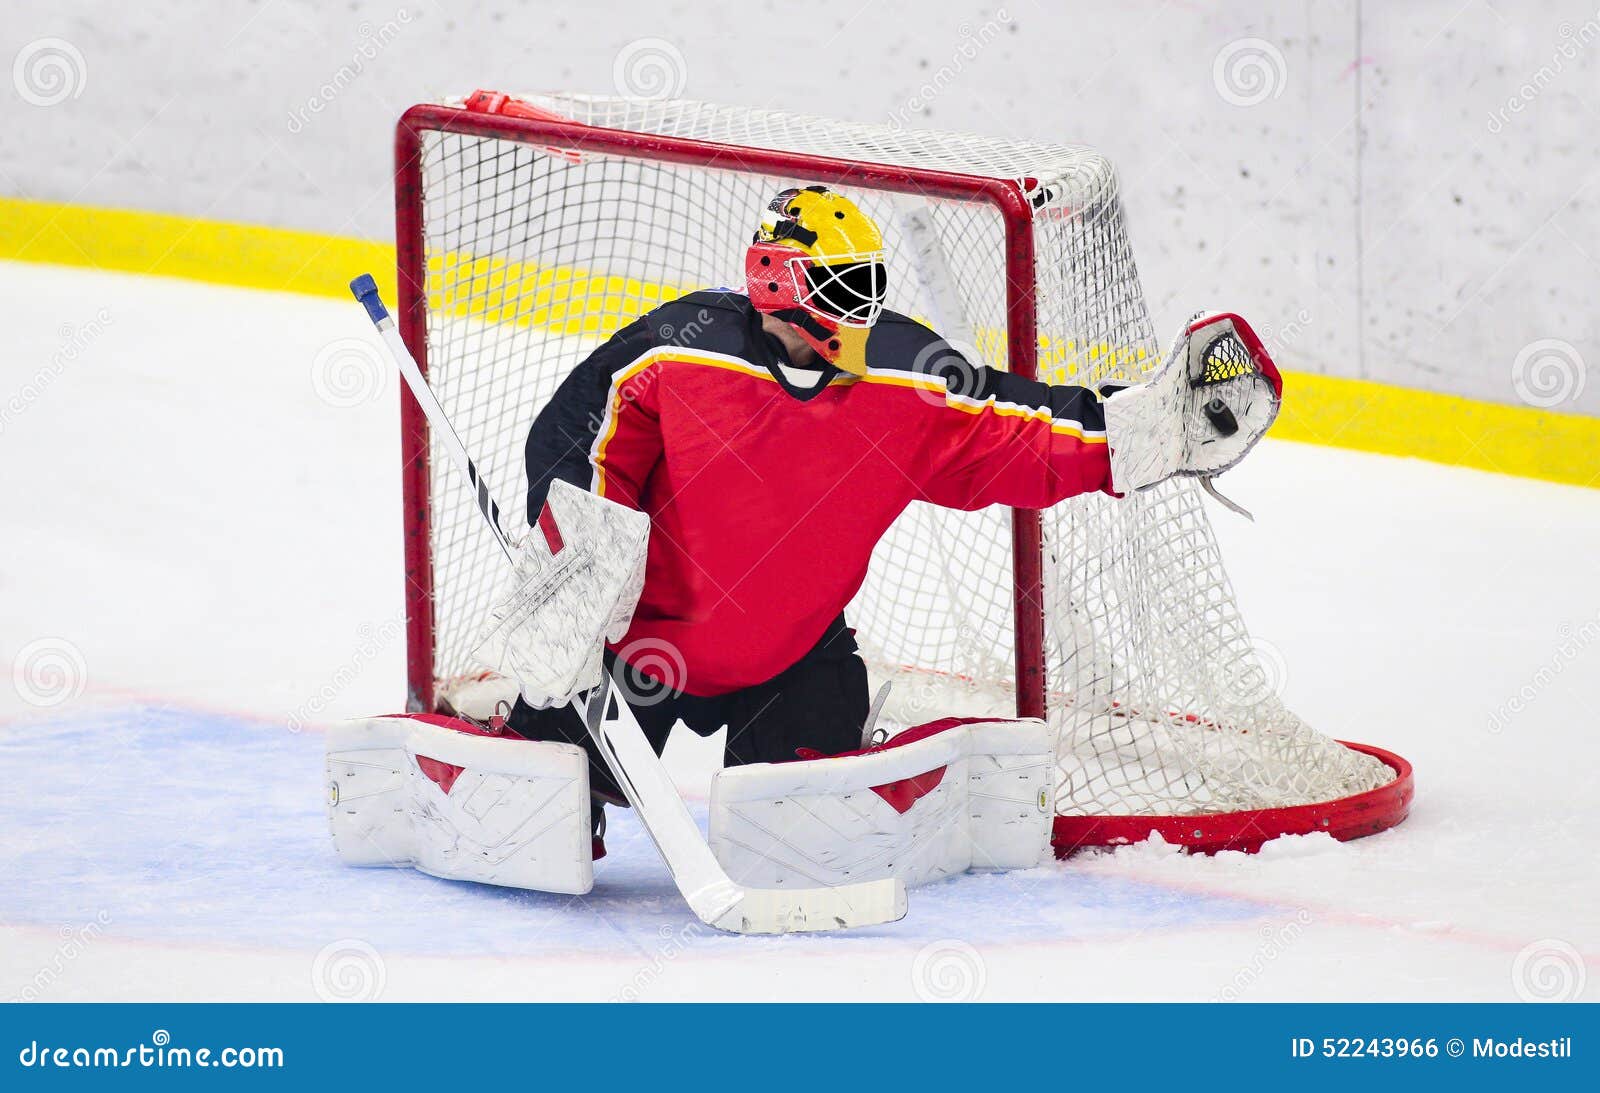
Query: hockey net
[[532, 228]]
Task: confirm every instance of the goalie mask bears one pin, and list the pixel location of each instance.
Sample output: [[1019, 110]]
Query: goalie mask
[[817, 263]]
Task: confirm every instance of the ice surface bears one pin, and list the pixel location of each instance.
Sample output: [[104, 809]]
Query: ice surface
[[209, 551]]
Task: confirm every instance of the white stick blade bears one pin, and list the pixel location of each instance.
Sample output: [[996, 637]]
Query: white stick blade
[[809, 910]]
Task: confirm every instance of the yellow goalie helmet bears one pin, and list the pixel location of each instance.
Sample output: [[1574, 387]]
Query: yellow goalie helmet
[[817, 262]]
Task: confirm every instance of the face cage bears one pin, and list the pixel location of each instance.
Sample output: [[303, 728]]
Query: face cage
[[863, 314]]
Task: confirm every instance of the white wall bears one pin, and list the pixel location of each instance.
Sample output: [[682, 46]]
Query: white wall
[[1372, 210]]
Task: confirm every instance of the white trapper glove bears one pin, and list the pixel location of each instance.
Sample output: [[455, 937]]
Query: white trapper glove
[[1213, 396], [579, 572]]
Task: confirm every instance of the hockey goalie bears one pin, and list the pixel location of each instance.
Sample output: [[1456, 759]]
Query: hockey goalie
[[754, 445]]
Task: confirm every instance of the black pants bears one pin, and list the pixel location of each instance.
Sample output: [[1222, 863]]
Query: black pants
[[819, 702]]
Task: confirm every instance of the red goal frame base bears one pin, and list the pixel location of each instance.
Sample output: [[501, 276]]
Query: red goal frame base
[[1345, 818]]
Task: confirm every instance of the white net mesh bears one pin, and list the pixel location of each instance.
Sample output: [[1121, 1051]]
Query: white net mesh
[[534, 255]]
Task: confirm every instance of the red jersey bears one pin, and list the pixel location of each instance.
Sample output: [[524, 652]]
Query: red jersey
[[767, 496]]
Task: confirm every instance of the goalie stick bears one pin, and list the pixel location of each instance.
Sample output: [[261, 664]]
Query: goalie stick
[[715, 898]]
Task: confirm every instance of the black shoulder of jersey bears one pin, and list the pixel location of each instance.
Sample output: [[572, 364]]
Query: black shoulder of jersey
[[724, 321], [713, 320], [900, 343]]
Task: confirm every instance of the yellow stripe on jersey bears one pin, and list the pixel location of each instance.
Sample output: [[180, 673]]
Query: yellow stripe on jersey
[[936, 386]]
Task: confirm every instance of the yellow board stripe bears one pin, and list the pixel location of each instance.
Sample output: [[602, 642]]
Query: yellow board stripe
[[1365, 416], [1378, 417], [200, 250]]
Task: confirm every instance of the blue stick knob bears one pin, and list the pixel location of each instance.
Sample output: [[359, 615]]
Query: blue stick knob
[[365, 289]]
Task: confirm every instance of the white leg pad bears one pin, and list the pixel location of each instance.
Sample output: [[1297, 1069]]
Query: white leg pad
[[415, 790], [936, 800]]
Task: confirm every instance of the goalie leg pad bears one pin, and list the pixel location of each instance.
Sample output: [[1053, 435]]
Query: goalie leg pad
[[935, 800], [459, 803]]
